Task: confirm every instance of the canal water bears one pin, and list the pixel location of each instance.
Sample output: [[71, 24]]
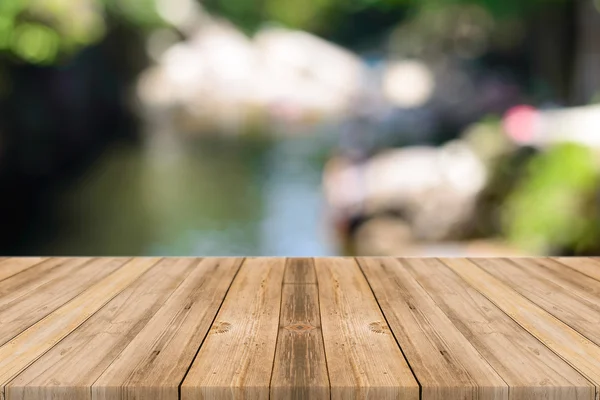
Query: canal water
[[209, 197]]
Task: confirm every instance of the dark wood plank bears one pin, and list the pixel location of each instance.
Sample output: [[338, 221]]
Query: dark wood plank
[[300, 270], [299, 371]]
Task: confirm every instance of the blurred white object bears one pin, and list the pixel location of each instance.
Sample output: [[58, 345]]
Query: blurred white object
[[528, 126], [435, 188], [183, 14], [408, 84], [221, 76], [306, 70]]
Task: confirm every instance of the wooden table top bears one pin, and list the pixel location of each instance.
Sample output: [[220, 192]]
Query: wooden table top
[[260, 328]]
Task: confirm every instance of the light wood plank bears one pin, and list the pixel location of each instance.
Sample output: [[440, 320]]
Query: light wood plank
[[300, 270], [585, 265], [12, 266], [531, 370], [577, 350], [155, 362], [445, 363], [299, 370], [563, 275], [575, 307], [72, 278], [20, 352], [236, 359], [363, 358], [70, 368], [29, 280]]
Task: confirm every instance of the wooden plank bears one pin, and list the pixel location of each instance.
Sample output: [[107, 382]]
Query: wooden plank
[[155, 362], [575, 307], [570, 279], [363, 358], [72, 278], [12, 266], [531, 370], [565, 276], [70, 368], [581, 353], [300, 270], [585, 265], [21, 351], [445, 363], [299, 370], [29, 280], [236, 359]]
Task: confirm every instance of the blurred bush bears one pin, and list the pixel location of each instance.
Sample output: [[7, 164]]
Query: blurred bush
[[43, 31], [554, 206]]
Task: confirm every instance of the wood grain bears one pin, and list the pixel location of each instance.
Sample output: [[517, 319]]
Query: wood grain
[[274, 328], [28, 346], [300, 271], [70, 368], [586, 266], [445, 363], [236, 359], [12, 266], [363, 359], [299, 370], [28, 281], [571, 301], [581, 353], [538, 374], [155, 362], [69, 280]]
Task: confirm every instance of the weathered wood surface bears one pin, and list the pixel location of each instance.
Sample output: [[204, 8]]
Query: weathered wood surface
[[276, 328]]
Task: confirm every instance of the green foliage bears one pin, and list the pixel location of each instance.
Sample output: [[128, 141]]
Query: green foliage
[[499, 8], [41, 31], [553, 207]]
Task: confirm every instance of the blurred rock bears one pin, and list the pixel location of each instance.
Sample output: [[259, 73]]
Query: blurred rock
[[221, 80], [528, 126], [433, 190]]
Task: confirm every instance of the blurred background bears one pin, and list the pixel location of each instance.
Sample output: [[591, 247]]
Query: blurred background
[[300, 128]]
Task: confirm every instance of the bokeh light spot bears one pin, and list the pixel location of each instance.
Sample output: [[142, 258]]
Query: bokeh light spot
[[35, 43], [520, 123], [408, 84]]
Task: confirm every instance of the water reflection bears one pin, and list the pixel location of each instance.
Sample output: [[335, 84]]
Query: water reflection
[[205, 197]]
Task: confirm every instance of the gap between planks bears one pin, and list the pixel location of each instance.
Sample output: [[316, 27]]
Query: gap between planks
[[341, 291]]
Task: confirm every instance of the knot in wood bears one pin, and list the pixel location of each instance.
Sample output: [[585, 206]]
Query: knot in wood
[[301, 327], [221, 327], [379, 327]]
